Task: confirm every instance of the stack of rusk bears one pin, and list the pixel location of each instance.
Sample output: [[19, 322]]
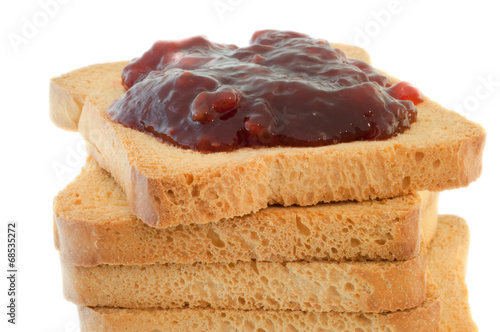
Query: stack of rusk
[[337, 238]]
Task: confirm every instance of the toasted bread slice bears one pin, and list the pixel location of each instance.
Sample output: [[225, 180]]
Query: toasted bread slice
[[167, 186], [447, 258], [94, 225], [423, 318], [447, 261], [307, 286]]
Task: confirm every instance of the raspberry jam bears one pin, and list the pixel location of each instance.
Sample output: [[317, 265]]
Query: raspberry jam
[[285, 89]]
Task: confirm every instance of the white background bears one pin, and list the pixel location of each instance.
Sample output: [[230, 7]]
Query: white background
[[446, 48]]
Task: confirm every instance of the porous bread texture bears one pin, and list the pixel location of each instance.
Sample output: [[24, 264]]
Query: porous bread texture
[[67, 92], [447, 260], [167, 186], [424, 318], [94, 225], [307, 286]]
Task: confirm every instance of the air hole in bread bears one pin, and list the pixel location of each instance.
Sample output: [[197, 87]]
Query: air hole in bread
[[349, 287], [272, 302], [216, 241], [355, 242], [253, 265], [406, 182], [419, 156], [303, 229], [209, 254], [195, 191], [333, 292], [189, 179], [436, 163], [249, 326]]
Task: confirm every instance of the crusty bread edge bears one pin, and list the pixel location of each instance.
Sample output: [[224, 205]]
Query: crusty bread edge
[[66, 99], [429, 214], [454, 232], [65, 106]]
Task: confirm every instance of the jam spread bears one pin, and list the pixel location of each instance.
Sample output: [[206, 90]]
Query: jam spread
[[285, 89]]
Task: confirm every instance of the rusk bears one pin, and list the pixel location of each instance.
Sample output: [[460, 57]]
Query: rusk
[[447, 261], [167, 186], [94, 225], [308, 286], [447, 257], [424, 318]]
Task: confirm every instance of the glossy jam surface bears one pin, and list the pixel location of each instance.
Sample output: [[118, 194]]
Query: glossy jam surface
[[285, 89]]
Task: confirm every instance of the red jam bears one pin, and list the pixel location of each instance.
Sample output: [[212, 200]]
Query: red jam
[[285, 89]]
